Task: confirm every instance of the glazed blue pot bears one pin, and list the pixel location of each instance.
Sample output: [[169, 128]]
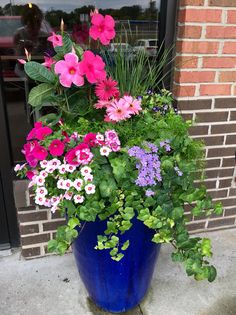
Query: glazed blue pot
[[116, 286]]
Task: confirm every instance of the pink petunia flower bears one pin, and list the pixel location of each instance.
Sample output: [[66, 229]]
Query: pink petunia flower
[[92, 66], [40, 153], [90, 139], [71, 157], [48, 62], [69, 70], [102, 104], [41, 133], [107, 89], [55, 39], [134, 105], [30, 174], [103, 28], [118, 110], [56, 148]]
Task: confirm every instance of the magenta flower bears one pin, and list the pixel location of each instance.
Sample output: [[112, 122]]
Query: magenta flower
[[103, 28], [56, 148], [55, 39], [48, 62], [118, 110], [39, 132], [40, 153], [107, 89], [93, 67], [69, 70]]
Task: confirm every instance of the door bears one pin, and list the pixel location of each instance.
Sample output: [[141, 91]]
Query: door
[[8, 220]]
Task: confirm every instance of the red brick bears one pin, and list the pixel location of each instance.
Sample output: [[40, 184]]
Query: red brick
[[230, 212], [52, 226], [229, 48], [184, 90], [232, 192], [231, 17], [185, 62], [29, 229], [197, 47], [221, 222], [233, 115], [212, 163], [194, 104], [200, 15], [222, 3], [225, 103], [30, 252], [218, 194], [195, 226], [231, 139], [226, 128], [221, 151], [224, 183], [194, 76], [228, 162], [35, 239], [215, 89], [189, 31], [212, 141], [198, 130], [187, 116], [191, 2], [221, 32], [219, 62], [33, 216], [212, 117], [228, 76]]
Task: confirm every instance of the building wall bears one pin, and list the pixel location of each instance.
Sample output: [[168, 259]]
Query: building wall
[[204, 86]]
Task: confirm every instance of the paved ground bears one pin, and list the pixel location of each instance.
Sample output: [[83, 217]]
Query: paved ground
[[51, 286]]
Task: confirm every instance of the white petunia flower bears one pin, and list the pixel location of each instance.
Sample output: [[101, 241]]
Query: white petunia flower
[[43, 173], [78, 199], [70, 168], [40, 200], [60, 183], [44, 164], [39, 180], [90, 189], [88, 178], [62, 169], [41, 191], [67, 184], [85, 170], [68, 195], [105, 151], [54, 163], [78, 183], [17, 167]]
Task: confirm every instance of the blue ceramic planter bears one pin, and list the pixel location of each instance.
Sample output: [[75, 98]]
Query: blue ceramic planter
[[116, 286]]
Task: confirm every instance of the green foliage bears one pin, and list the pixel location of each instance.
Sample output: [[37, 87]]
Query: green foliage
[[38, 72], [39, 94]]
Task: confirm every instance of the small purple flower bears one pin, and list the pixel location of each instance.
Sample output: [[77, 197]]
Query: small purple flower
[[156, 109], [162, 144], [179, 173], [149, 92], [167, 148], [149, 193], [140, 97]]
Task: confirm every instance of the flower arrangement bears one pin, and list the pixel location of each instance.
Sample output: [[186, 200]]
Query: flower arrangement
[[113, 155]]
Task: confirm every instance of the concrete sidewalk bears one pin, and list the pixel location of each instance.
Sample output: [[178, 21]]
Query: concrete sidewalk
[[51, 286]]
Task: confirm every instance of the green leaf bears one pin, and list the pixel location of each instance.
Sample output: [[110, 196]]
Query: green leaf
[[66, 47], [73, 222], [52, 245], [212, 273], [38, 72], [177, 213], [206, 247], [118, 257], [39, 94], [125, 245], [144, 214], [50, 119]]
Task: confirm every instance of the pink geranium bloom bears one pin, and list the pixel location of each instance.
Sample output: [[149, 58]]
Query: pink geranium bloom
[[32, 133], [40, 153], [107, 89], [55, 39], [48, 62], [30, 174], [103, 28], [134, 105], [118, 110], [93, 67], [69, 70], [90, 139], [56, 148]]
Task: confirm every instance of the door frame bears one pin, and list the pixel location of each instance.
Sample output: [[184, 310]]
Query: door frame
[[8, 209]]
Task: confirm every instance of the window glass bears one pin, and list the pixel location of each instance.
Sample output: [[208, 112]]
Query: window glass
[[25, 25]]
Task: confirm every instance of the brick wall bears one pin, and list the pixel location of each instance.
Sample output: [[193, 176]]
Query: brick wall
[[205, 88]]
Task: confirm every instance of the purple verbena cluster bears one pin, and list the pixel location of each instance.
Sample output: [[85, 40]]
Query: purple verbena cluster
[[149, 165]]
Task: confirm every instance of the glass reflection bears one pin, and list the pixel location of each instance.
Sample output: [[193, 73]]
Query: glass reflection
[[27, 26]]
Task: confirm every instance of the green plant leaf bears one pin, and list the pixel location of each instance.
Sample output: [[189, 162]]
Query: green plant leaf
[[38, 72], [39, 94]]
